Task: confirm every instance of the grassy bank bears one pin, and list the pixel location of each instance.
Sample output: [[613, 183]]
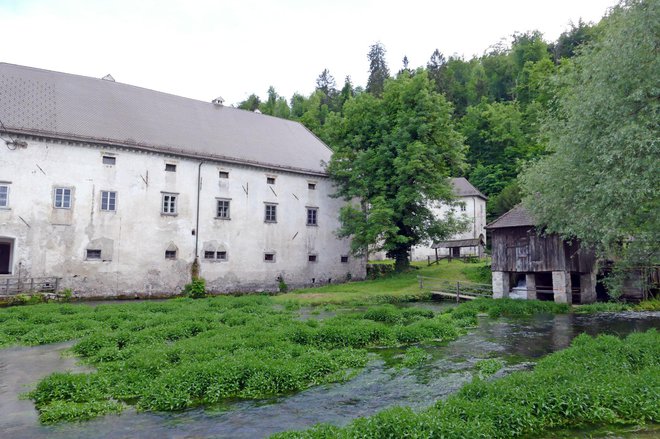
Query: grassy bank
[[397, 287], [598, 381]]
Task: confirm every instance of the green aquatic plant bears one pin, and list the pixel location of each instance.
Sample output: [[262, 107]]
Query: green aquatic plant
[[597, 381], [163, 356]]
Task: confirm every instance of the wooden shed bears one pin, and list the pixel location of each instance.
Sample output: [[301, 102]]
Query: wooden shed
[[529, 264]]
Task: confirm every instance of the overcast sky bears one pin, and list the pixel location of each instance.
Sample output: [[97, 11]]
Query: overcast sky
[[231, 48]]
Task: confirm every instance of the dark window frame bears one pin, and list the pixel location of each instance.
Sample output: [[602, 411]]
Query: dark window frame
[[110, 201], [224, 210], [109, 160], [66, 194], [270, 213], [93, 255]]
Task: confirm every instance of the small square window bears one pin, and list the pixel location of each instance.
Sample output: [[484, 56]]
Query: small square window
[[109, 201], [223, 174], [209, 255], [344, 259], [270, 180], [312, 216], [93, 255], [109, 160], [170, 167], [62, 198], [463, 207], [221, 256], [269, 257], [311, 258], [170, 254], [222, 209], [311, 186], [168, 206], [271, 213], [4, 195]]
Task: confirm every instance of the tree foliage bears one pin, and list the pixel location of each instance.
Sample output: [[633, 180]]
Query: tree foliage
[[600, 184], [394, 154]]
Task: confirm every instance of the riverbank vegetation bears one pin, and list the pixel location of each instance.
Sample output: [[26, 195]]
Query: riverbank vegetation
[[181, 353], [602, 380]]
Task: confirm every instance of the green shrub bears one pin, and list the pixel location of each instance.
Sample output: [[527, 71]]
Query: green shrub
[[195, 289]]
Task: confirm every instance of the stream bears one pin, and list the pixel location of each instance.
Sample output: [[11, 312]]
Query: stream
[[519, 342]]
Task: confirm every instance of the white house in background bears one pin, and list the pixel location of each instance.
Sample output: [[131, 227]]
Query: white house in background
[[117, 189], [472, 206]]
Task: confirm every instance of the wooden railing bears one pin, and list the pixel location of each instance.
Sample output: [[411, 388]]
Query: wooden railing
[[454, 288], [10, 286]]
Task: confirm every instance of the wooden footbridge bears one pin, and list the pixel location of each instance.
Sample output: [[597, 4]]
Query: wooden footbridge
[[458, 290]]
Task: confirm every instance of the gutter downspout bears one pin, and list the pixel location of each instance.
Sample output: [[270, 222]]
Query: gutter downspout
[[199, 189]]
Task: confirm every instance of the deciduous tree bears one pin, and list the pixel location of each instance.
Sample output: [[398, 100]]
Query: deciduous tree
[[395, 154]]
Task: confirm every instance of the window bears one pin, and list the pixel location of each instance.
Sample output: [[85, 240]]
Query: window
[[271, 213], [93, 255], [109, 201], [312, 216], [463, 207], [311, 186], [109, 160], [220, 256], [169, 204], [223, 174], [170, 167], [344, 259], [62, 198], [223, 209], [269, 257], [270, 180], [311, 258], [170, 254], [4, 195]]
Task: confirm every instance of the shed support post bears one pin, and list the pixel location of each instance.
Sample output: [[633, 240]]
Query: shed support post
[[561, 287], [588, 287], [530, 281], [501, 285]]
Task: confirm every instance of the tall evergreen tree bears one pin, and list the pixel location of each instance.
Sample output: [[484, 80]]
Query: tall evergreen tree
[[378, 71], [435, 68]]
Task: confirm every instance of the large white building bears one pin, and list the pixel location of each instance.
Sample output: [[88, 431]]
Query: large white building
[[471, 207], [117, 189]]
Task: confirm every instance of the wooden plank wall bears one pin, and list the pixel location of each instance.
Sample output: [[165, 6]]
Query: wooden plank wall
[[521, 249]]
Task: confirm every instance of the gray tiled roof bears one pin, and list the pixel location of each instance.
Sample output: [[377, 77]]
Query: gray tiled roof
[[458, 243], [516, 217], [464, 188], [42, 102]]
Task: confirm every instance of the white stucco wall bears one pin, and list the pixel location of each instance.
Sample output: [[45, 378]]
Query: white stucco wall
[[53, 242], [475, 213]]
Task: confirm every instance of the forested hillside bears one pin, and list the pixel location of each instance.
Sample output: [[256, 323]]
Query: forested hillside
[[497, 102]]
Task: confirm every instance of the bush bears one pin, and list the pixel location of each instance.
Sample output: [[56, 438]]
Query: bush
[[195, 289]]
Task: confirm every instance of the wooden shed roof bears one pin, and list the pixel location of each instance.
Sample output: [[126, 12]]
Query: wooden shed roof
[[516, 217]]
